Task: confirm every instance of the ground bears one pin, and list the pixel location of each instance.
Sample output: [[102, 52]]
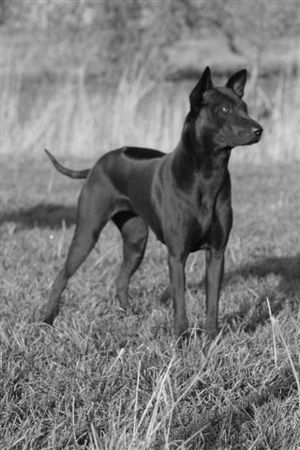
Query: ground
[[99, 379]]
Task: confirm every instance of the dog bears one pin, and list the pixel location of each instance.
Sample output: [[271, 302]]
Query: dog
[[183, 196]]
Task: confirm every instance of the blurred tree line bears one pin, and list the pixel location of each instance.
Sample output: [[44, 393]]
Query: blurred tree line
[[121, 29]]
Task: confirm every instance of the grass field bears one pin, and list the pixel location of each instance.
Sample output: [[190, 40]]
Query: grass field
[[102, 380]]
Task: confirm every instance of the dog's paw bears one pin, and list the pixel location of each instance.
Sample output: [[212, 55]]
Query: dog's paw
[[212, 339], [165, 297], [123, 311], [45, 316], [183, 339]]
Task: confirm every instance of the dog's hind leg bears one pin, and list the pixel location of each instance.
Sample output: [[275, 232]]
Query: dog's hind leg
[[92, 215], [134, 232]]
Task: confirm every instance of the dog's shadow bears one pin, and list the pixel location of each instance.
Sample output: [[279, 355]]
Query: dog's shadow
[[42, 215], [287, 291]]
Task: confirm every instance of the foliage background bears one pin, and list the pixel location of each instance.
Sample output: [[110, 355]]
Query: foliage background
[[72, 70]]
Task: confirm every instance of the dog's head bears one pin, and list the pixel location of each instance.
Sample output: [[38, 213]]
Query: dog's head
[[220, 115]]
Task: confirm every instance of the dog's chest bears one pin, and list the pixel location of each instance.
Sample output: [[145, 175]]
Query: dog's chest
[[199, 217], [207, 191], [191, 234]]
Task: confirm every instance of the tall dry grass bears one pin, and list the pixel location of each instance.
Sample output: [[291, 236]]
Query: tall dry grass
[[74, 121]]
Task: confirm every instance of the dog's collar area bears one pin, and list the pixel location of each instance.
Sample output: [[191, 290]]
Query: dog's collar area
[[222, 150]]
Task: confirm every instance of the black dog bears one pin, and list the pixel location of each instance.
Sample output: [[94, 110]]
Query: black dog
[[184, 197]]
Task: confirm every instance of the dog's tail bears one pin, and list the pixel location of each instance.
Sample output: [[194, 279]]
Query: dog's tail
[[64, 170]]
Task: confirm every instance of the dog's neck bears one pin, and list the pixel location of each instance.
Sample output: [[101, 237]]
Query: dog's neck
[[198, 158]]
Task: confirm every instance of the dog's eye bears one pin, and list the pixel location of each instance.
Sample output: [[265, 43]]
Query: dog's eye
[[225, 109]]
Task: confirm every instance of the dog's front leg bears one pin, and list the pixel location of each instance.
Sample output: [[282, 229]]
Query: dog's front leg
[[177, 285], [214, 276]]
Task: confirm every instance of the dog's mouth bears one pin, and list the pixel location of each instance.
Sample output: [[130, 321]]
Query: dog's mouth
[[244, 137], [241, 141], [250, 137], [253, 139]]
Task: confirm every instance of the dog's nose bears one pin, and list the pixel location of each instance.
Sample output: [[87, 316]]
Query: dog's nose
[[257, 130]]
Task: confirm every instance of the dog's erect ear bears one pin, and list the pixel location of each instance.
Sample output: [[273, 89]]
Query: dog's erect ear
[[237, 82], [204, 84]]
